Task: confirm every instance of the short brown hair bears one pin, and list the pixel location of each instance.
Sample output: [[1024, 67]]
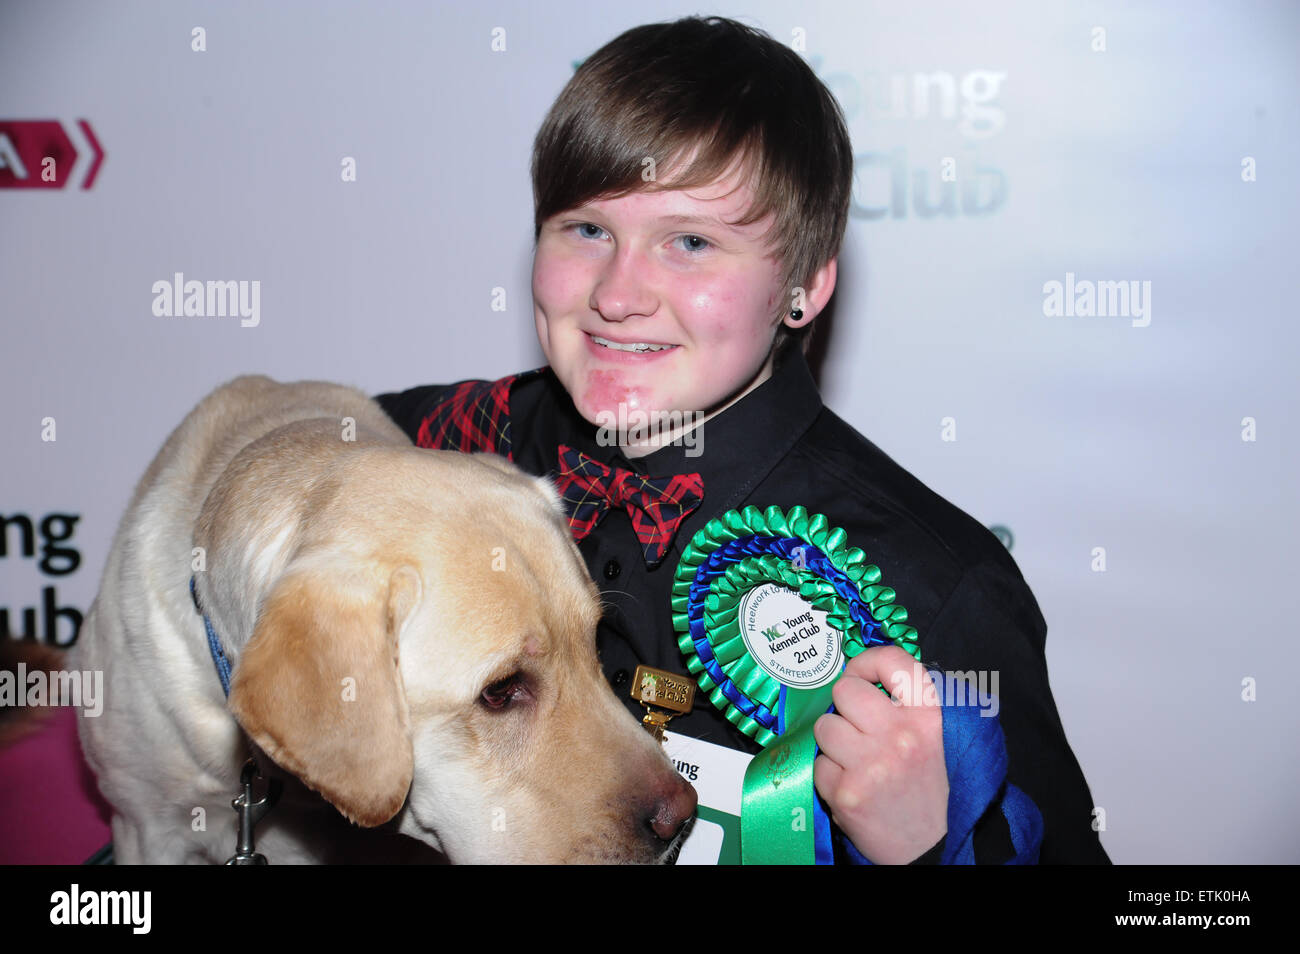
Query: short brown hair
[[725, 92]]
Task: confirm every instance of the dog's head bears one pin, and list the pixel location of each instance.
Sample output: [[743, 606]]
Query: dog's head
[[429, 650]]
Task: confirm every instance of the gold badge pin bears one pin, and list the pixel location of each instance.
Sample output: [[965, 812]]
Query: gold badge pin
[[667, 690]]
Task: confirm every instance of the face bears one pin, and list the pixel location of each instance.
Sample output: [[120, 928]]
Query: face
[[653, 302], [522, 751]]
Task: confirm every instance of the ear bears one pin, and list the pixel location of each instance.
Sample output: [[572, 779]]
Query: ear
[[318, 689], [552, 496], [543, 484], [816, 295]]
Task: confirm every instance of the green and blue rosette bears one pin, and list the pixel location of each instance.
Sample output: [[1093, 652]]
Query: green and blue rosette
[[768, 606]]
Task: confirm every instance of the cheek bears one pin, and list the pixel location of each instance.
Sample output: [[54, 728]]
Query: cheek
[[557, 281], [734, 311]]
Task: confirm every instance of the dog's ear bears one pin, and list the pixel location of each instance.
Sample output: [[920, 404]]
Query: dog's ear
[[318, 689], [550, 495], [544, 485]]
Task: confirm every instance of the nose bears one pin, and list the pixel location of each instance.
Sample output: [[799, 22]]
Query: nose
[[674, 802], [621, 291]]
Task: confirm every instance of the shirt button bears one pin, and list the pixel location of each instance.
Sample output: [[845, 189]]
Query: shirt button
[[612, 569], [619, 678]]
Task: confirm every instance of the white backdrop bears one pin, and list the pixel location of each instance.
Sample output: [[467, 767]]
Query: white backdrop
[[1106, 141]]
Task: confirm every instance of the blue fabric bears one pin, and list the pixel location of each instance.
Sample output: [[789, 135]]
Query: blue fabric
[[823, 834], [976, 757], [824, 830]]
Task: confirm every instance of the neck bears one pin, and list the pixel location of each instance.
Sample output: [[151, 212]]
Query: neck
[[684, 427]]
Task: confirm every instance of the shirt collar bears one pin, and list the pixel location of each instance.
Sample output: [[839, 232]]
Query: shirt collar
[[733, 451]]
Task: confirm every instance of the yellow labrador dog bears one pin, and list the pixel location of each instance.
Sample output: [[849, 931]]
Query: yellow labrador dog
[[411, 636]]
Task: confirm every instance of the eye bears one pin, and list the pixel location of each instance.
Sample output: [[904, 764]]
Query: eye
[[694, 243], [588, 231], [504, 692]]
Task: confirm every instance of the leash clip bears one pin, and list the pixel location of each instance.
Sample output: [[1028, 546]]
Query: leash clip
[[250, 813]]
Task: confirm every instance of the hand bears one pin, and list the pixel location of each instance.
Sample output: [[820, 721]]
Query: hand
[[881, 768]]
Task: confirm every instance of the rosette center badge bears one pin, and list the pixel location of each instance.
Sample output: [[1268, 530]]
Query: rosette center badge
[[791, 640]]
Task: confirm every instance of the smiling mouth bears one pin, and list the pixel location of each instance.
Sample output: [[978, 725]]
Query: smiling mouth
[[636, 347]]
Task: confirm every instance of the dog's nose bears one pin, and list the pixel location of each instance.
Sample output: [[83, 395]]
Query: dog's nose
[[674, 804]]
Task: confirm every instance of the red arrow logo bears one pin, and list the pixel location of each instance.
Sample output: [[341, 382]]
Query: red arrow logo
[[39, 154]]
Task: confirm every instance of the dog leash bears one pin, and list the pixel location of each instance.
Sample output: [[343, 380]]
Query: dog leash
[[249, 810]]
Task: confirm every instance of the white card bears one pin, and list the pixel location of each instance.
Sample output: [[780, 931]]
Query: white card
[[718, 774]]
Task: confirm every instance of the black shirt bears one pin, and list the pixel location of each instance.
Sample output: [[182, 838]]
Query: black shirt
[[780, 445]]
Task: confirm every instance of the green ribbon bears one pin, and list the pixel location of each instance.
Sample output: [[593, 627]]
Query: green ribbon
[[778, 801]]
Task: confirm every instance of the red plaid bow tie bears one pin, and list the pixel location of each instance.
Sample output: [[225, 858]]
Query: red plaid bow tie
[[657, 505]]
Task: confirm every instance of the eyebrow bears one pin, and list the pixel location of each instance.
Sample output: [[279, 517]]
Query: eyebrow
[[676, 219], [698, 220]]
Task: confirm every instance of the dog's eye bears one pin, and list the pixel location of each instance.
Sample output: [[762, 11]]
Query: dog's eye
[[504, 691]]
